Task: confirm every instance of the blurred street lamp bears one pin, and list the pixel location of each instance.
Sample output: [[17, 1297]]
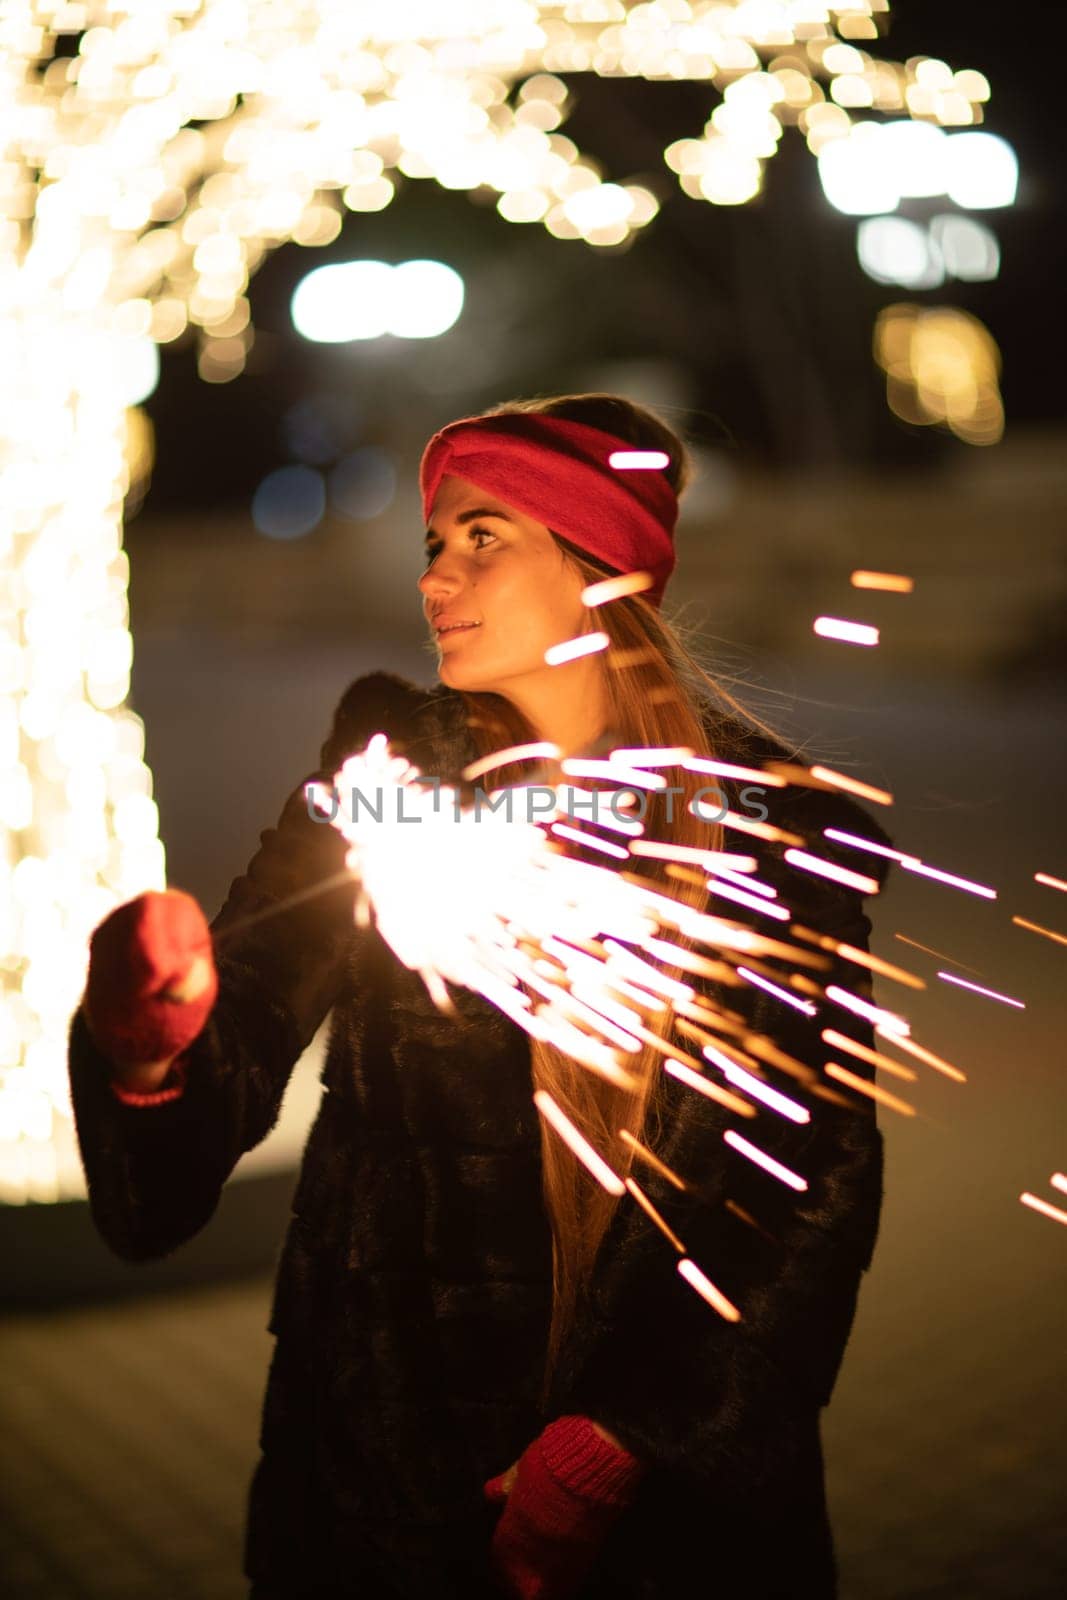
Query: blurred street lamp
[[353, 300]]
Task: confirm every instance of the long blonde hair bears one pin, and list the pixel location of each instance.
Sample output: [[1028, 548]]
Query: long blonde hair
[[658, 694]]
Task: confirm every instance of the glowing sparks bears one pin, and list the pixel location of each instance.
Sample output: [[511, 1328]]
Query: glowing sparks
[[705, 1086], [618, 958], [828, 869], [887, 1020], [845, 632], [861, 958], [652, 1160], [631, 777], [920, 1053], [913, 864], [639, 460], [516, 752], [586, 644], [1047, 1210], [990, 994], [891, 582], [778, 992], [579, 1145], [750, 884], [1035, 927], [674, 852], [600, 594], [1050, 882], [827, 778], [573, 798], [545, 936], [763, 908], [864, 1086], [741, 1079], [840, 780], [653, 1215], [583, 837], [653, 756], [843, 1041], [940, 954], [707, 1290], [733, 819], [762, 1159], [725, 865], [857, 842], [727, 769]]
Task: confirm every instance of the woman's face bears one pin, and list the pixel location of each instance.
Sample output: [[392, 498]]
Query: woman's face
[[503, 574]]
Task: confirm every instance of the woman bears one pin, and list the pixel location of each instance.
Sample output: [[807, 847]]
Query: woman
[[457, 1301]]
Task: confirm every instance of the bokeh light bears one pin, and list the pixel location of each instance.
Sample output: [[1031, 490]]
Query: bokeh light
[[351, 300], [289, 502], [427, 298], [344, 301], [968, 248], [363, 485], [942, 368], [318, 428], [869, 167], [894, 250], [983, 171]]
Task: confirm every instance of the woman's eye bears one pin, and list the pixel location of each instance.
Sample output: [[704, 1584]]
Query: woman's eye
[[434, 550]]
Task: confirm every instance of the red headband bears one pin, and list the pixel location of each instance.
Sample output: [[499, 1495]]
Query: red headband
[[557, 472]]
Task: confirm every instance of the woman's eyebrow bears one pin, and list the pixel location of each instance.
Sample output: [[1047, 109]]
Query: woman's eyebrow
[[472, 516]]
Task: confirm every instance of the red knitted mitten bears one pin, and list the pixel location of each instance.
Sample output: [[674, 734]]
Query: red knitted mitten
[[152, 979], [569, 1488]]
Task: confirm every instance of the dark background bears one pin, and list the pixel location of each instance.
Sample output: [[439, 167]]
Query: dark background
[[765, 303]]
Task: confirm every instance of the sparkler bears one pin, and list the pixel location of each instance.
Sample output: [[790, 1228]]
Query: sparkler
[[551, 946], [584, 955]]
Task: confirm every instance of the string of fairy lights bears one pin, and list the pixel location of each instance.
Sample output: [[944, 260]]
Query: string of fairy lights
[[150, 158]]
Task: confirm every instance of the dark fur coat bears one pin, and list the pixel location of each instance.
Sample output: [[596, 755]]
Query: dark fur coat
[[414, 1288]]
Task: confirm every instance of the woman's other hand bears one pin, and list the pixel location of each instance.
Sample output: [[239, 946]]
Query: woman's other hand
[[152, 983], [560, 1500]]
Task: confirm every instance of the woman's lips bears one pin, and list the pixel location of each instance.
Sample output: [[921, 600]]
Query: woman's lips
[[451, 629]]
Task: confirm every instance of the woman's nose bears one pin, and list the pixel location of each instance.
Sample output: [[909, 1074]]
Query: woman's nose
[[440, 579]]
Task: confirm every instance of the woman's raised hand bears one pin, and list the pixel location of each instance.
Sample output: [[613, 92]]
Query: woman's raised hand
[[151, 986]]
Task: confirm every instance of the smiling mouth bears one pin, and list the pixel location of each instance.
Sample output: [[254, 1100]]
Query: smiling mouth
[[455, 627]]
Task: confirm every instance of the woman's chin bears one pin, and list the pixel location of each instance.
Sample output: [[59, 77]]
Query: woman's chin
[[454, 676]]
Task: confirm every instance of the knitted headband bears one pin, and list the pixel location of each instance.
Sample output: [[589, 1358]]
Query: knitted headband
[[559, 473]]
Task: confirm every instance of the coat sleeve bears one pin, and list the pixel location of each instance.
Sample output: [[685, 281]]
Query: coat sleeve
[[155, 1173], [678, 1384]]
